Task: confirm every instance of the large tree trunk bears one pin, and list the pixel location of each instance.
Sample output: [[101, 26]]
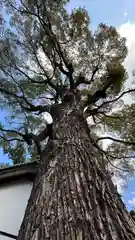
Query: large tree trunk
[[73, 196]]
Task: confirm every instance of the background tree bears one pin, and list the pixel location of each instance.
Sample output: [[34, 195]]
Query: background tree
[[51, 62]]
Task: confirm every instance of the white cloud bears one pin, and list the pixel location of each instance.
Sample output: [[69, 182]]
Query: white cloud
[[119, 182], [133, 193], [127, 30], [132, 202]]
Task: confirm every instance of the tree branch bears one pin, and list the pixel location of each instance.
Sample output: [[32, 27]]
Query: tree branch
[[25, 137], [82, 80], [40, 108], [106, 154], [48, 30], [9, 235], [118, 168], [31, 108], [13, 131], [12, 139], [115, 140], [29, 78], [116, 99], [3, 90], [48, 81]]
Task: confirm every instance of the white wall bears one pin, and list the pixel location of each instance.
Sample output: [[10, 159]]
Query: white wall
[[13, 202]]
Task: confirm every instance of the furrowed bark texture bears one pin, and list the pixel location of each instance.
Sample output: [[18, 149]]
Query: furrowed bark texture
[[73, 196]]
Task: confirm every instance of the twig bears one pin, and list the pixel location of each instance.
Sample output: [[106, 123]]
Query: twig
[[116, 99], [116, 140]]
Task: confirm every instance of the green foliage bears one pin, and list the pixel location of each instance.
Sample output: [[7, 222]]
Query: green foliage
[[117, 75], [122, 123], [17, 154]]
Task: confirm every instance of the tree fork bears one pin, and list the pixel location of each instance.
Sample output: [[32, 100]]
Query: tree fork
[[73, 196]]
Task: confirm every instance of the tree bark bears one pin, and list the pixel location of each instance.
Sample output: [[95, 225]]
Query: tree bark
[[73, 196]]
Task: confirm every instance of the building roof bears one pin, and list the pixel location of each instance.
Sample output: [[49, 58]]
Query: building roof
[[18, 172]]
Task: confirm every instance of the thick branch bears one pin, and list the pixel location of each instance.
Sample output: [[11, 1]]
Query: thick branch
[[62, 69], [91, 99], [82, 80]]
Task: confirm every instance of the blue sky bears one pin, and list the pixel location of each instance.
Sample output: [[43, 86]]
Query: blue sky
[[121, 14], [112, 12], [3, 157], [129, 194]]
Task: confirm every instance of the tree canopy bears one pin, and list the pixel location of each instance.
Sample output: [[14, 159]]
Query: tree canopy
[[46, 52]]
